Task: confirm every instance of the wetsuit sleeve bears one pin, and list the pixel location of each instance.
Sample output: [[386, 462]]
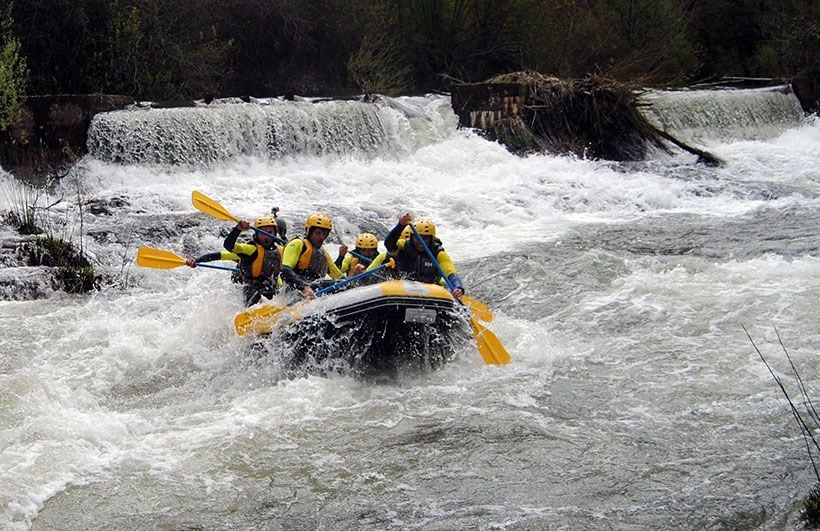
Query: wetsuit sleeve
[[332, 270], [230, 240], [237, 248], [211, 257], [449, 269], [391, 241], [344, 264], [379, 260], [455, 280], [290, 257]]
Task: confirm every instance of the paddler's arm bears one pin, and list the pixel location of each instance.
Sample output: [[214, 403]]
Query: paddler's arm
[[290, 257], [238, 248], [344, 263], [393, 238], [450, 270], [212, 257], [334, 272], [379, 260]]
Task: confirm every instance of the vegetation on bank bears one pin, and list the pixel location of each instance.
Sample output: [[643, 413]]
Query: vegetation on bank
[[13, 71], [808, 421], [30, 214], [181, 49]]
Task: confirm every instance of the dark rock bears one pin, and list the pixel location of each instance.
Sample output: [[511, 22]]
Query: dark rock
[[105, 207], [52, 132]]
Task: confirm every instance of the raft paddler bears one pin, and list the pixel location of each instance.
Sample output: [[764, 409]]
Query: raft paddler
[[355, 262], [260, 260], [305, 261], [412, 261], [365, 256]]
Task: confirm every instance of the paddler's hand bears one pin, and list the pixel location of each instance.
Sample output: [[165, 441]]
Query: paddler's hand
[[190, 262], [342, 250], [405, 219], [243, 225], [458, 292], [358, 268], [307, 292]]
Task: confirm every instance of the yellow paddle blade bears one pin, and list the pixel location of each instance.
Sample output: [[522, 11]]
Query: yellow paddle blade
[[479, 309], [203, 203], [158, 259], [258, 321], [489, 345]]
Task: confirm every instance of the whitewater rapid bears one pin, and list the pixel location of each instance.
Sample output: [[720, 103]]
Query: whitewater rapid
[[633, 399]]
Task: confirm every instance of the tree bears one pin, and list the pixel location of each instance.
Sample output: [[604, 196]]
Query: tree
[[162, 50], [13, 73]]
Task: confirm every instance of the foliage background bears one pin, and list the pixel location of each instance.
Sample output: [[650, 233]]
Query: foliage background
[[179, 49]]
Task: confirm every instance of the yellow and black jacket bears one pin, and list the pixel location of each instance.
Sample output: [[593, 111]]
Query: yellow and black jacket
[[302, 264], [416, 265]]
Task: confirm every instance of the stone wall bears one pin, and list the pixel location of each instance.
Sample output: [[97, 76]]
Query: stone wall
[[52, 132], [807, 90], [481, 105]]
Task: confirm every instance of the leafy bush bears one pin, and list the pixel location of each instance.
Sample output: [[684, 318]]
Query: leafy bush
[[13, 75]]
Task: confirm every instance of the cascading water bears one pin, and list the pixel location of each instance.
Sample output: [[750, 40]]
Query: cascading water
[[701, 116], [633, 398], [266, 128]]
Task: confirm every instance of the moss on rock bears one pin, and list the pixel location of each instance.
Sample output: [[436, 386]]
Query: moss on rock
[[73, 273]]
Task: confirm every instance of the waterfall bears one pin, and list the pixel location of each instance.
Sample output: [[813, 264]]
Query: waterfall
[[723, 115], [272, 128]]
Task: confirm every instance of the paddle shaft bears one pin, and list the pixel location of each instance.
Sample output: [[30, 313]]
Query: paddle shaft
[[433, 258], [224, 268], [354, 278]]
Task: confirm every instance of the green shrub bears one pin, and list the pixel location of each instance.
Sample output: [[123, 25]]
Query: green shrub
[[13, 79], [376, 67]]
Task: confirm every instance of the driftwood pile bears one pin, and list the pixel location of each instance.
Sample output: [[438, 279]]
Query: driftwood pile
[[593, 117]]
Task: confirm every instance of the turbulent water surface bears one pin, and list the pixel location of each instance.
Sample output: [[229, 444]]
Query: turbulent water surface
[[633, 400]]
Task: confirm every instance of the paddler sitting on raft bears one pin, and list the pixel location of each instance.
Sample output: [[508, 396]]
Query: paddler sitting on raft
[[304, 261], [412, 261], [365, 255], [237, 276], [259, 260]]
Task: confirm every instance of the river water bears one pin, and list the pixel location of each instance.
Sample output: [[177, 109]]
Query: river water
[[634, 399]]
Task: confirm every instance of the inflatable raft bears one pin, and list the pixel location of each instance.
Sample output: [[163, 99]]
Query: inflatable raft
[[378, 329]]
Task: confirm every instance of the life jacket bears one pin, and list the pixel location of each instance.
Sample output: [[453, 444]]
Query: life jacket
[[311, 265], [261, 266], [416, 265]]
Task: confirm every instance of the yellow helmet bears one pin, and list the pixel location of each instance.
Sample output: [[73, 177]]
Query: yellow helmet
[[318, 220], [406, 233], [266, 221], [367, 240], [425, 227]]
